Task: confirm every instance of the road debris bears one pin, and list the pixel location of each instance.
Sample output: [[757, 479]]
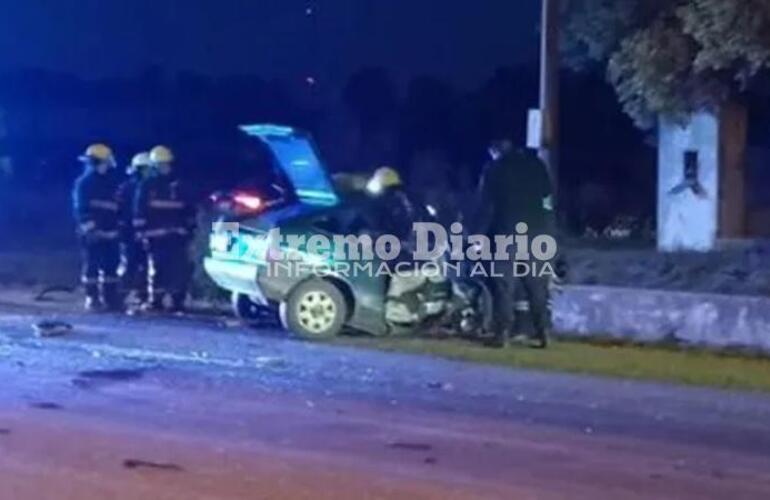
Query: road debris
[[444, 386], [230, 323], [118, 375], [52, 328], [144, 464], [82, 383], [410, 446], [270, 362], [368, 376], [46, 406], [718, 474], [88, 379], [44, 295]]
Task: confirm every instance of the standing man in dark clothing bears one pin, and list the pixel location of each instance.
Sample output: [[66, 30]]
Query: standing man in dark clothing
[[135, 266], [95, 203], [165, 215], [516, 188]]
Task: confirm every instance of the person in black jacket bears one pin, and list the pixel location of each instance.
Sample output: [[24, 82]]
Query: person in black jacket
[[516, 188], [135, 266], [165, 215], [95, 204]]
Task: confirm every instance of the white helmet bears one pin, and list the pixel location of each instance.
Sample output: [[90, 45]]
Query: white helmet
[[139, 163]]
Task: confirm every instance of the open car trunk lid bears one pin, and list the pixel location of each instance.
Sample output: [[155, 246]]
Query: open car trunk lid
[[296, 155]]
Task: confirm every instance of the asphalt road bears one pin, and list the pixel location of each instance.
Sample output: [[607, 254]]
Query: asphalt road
[[194, 409]]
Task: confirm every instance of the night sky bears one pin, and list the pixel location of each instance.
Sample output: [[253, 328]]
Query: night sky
[[460, 40]]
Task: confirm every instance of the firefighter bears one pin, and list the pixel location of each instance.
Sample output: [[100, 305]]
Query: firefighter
[[95, 202], [394, 211], [516, 188], [165, 215], [135, 268]]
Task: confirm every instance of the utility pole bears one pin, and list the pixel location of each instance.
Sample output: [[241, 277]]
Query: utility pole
[[549, 91]]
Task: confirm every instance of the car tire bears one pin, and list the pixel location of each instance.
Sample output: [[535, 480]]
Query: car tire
[[315, 309], [247, 310]]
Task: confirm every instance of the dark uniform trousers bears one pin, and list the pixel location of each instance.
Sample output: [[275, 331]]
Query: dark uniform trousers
[[170, 268], [136, 268], [101, 260], [522, 304]]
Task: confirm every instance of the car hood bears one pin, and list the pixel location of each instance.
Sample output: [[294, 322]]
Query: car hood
[[296, 155]]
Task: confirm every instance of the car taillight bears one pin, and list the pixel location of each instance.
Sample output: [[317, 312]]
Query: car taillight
[[238, 203], [247, 201]]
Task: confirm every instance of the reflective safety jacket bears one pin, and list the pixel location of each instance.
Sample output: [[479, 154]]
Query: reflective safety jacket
[[95, 204], [164, 207]]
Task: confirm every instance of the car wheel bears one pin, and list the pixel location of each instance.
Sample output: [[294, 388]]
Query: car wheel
[[315, 309], [246, 309]]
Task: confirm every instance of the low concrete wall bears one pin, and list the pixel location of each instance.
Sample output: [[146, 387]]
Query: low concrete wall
[[717, 321]]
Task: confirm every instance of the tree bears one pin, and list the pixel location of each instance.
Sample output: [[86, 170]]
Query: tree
[[670, 57], [372, 98], [426, 119]]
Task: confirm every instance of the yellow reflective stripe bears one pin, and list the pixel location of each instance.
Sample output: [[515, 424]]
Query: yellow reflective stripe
[[154, 233], [167, 204], [105, 205], [103, 235]]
